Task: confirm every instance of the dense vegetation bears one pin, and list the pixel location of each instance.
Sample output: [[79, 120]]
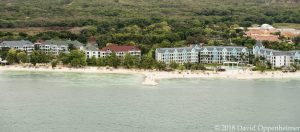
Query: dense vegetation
[[37, 13], [146, 23]]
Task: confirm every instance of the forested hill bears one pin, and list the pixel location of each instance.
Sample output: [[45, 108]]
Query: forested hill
[[41, 13]]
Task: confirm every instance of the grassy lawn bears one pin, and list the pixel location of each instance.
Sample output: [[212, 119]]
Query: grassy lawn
[[287, 25]]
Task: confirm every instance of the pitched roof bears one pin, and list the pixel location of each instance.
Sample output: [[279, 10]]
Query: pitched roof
[[280, 53], [178, 49], [266, 37], [62, 42], [117, 48], [39, 41], [259, 44], [229, 48], [289, 31], [199, 48], [263, 33], [91, 47], [16, 43], [288, 34], [277, 52], [252, 32]]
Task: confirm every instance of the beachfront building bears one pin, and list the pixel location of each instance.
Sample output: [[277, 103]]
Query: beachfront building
[[179, 55], [92, 50], [120, 50], [277, 58], [222, 54], [203, 54], [59, 46], [22, 45]]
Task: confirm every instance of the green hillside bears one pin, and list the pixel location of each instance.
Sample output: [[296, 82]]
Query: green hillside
[[146, 23], [36, 13]]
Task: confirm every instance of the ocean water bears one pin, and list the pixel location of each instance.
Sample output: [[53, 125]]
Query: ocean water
[[74, 102]]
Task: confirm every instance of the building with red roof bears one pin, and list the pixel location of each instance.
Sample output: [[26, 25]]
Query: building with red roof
[[271, 38], [120, 50], [39, 42], [263, 33]]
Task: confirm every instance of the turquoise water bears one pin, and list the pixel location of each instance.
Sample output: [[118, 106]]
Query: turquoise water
[[73, 102]]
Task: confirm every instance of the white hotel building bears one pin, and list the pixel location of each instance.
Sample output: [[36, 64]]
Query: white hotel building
[[205, 54], [120, 51], [179, 55], [22, 45], [275, 57], [92, 50], [58, 46]]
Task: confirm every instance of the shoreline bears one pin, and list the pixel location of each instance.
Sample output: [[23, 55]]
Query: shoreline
[[151, 77]]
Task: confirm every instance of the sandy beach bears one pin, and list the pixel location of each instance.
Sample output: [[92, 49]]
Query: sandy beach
[[152, 77]]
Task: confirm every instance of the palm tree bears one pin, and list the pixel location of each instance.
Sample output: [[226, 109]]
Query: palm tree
[[233, 58], [243, 57], [205, 57], [263, 60], [297, 62], [227, 57], [251, 58]]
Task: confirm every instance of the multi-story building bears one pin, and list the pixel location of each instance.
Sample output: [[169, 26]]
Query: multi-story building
[[120, 51], [22, 45], [267, 32], [179, 55], [289, 33], [275, 57], [203, 54], [59, 46], [263, 33], [92, 50], [221, 54]]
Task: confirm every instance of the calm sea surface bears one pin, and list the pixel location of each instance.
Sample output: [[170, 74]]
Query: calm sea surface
[[73, 102]]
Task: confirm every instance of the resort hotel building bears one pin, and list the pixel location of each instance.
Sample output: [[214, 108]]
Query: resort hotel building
[[191, 54], [92, 50], [56, 47], [275, 57], [179, 55], [22, 45], [120, 50], [203, 54]]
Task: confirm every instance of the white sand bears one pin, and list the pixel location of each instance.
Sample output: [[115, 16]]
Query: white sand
[[151, 76]]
